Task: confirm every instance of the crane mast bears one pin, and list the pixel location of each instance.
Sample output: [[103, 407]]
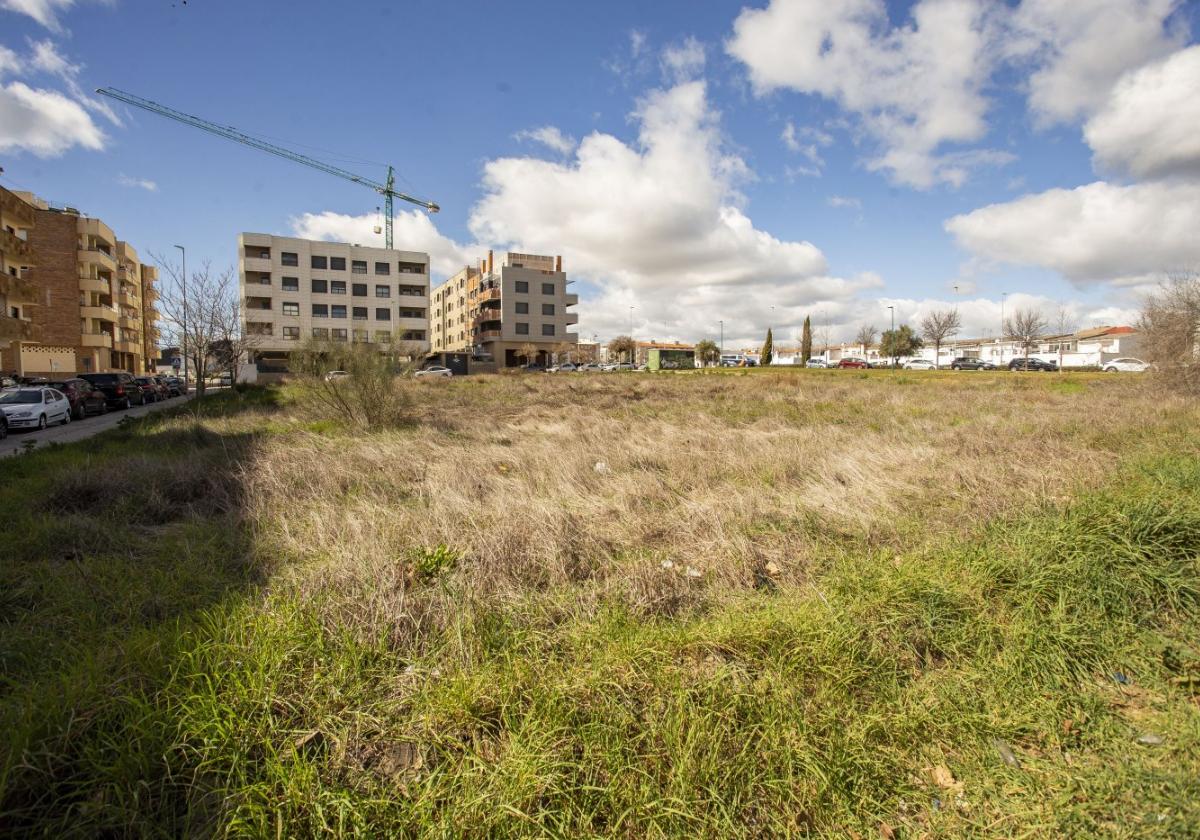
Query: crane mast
[[386, 189]]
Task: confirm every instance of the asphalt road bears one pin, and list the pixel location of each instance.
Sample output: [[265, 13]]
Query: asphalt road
[[80, 429]]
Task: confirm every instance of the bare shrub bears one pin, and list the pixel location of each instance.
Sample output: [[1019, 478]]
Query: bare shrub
[[1169, 331], [370, 387]]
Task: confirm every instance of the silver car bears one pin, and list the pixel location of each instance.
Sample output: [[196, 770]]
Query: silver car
[[35, 408], [434, 372], [1129, 365]]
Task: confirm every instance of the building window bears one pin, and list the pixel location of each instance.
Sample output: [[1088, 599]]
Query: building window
[[383, 314], [547, 308], [522, 308], [337, 263], [337, 311], [291, 333], [547, 288], [522, 286], [412, 291], [412, 268], [358, 289], [361, 335], [383, 336], [383, 269], [319, 262], [320, 310], [547, 329], [338, 335], [337, 287], [320, 287], [412, 313], [360, 313], [522, 329], [358, 266], [321, 333], [291, 284], [419, 335], [291, 308], [289, 258], [383, 291]]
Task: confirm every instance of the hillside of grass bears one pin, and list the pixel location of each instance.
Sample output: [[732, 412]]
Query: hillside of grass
[[736, 605]]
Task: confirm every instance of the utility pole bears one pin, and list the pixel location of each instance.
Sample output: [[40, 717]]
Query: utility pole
[[633, 352], [183, 339], [892, 309]]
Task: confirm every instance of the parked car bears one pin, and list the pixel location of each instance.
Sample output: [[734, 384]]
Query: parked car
[[816, 363], [1030, 363], [34, 408], [589, 368], [3, 425], [82, 396], [919, 364], [1125, 366], [119, 389], [176, 386], [150, 392], [335, 375], [8, 382], [567, 368], [163, 387], [851, 362], [969, 363], [533, 367], [434, 372], [624, 366]]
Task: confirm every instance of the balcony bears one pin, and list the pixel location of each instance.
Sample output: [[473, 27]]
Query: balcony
[[94, 256], [488, 335], [128, 347], [97, 339], [15, 329], [487, 294], [258, 264], [128, 296], [572, 317], [130, 323], [570, 300], [258, 304], [12, 245], [17, 289], [100, 313], [95, 284]]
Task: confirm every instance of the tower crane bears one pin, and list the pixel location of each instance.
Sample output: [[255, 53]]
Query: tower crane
[[386, 189]]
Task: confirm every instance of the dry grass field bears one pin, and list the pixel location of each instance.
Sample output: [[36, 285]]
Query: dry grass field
[[722, 604]]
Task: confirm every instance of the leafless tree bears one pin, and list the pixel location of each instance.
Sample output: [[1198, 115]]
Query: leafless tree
[[208, 328], [1025, 326], [1064, 325], [1169, 330], [528, 351], [866, 336], [937, 326], [563, 352]]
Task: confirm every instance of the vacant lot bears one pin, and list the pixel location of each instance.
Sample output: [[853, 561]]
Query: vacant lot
[[716, 604]]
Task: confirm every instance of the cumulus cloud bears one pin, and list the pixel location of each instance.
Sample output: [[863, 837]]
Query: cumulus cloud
[[550, 137], [1079, 50], [141, 183], [1094, 233], [413, 230], [44, 12], [684, 61], [915, 87], [44, 122], [657, 224], [1150, 124]]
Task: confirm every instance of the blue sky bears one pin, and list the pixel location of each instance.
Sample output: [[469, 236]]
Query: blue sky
[[698, 161]]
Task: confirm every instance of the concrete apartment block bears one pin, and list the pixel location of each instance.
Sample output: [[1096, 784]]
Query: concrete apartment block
[[91, 303], [299, 289], [513, 313], [16, 259]]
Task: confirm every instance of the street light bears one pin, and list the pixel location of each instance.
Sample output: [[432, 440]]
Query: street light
[[633, 351], [722, 323], [892, 309], [183, 340]]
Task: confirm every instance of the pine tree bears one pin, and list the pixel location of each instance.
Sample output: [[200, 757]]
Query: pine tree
[[768, 350], [806, 340]]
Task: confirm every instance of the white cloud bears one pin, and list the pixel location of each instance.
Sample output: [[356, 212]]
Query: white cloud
[[10, 62], [842, 201], [140, 183], [788, 136], [413, 230], [1094, 233], [806, 142], [1150, 125], [684, 61], [633, 59], [44, 122], [44, 12], [637, 42], [47, 59], [658, 224], [915, 87], [550, 137], [1080, 49]]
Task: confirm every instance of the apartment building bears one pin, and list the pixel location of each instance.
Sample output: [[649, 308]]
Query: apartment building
[[16, 259], [88, 302], [294, 290], [512, 314]]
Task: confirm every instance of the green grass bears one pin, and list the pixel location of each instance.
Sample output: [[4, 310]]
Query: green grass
[[155, 682]]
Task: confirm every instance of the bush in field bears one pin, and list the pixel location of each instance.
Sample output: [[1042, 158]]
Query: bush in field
[[370, 394], [1170, 331]]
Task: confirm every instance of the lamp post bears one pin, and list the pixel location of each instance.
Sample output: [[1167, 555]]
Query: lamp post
[[722, 323], [892, 309], [183, 339], [632, 352]]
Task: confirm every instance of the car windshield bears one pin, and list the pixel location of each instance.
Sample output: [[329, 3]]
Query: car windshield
[[101, 378], [23, 396]]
